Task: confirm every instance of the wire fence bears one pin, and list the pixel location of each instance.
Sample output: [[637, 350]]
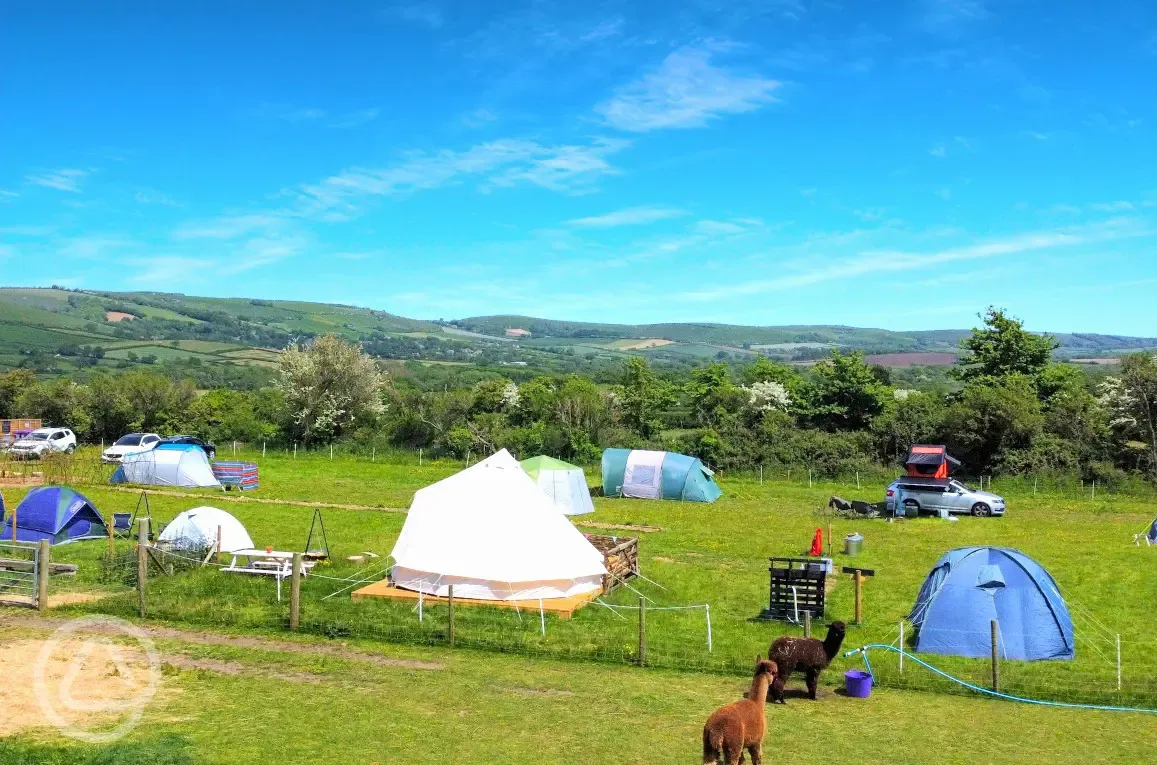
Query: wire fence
[[626, 627]]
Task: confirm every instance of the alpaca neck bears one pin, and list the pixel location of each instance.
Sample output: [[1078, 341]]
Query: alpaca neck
[[759, 686], [832, 645]]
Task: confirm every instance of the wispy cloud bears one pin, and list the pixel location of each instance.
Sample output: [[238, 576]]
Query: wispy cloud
[[870, 214], [503, 163], [27, 230], [305, 114], [944, 193], [229, 226], [631, 216], [7, 196], [938, 151], [890, 261], [480, 117], [1117, 206], [148, 196], [685, 91], [68, 179], [1036, 135], [424, 14], [165, 270], [354, 119], [949, 15]]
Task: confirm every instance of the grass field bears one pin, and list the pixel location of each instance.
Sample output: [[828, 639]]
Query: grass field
[[703, 555], [374, 704]]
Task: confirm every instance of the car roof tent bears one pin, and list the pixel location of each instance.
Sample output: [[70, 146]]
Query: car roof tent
[[925, 460], [56, 513]]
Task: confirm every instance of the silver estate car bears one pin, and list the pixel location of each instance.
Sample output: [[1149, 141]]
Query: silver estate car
[[932, 496]]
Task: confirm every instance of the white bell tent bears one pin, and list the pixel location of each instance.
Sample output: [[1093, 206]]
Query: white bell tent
[[493, 534], [197, 529], [167, 465]]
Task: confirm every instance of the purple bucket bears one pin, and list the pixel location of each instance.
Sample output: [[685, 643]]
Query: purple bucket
[[858, 683]]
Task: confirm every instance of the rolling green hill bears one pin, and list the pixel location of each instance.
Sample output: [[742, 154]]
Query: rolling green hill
[[63, 331]]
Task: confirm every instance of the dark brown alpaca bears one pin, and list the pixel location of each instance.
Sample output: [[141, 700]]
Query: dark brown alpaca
[[742, 724], [806, 655]]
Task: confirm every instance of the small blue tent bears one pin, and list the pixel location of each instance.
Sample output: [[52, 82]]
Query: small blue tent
[[657, 475], [970, 587], [55, 513]]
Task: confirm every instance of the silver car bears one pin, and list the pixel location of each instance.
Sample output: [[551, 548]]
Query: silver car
[[931, 496]]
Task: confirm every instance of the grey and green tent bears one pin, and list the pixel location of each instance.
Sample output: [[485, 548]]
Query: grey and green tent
[[564, 483], [657, 475]]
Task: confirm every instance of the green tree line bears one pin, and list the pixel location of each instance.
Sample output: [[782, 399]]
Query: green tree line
[[1012, 410]]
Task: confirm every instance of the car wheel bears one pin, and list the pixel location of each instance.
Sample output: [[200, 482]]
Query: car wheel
[[911, 507], [70, 450], [981, 510]]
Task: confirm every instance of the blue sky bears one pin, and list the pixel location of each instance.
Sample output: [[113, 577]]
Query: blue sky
[[893, 164]]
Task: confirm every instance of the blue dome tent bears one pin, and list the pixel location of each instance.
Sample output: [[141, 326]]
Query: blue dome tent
[[55, 513], [970, 587], [657, 475]]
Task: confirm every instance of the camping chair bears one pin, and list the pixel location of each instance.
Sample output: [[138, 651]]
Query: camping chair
[[122, 523], [1149, 535]]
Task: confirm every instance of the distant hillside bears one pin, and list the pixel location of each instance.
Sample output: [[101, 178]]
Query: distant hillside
[[782, 339], [233, 341]]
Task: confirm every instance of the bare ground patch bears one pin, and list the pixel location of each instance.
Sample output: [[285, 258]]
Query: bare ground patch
[[80, 675]]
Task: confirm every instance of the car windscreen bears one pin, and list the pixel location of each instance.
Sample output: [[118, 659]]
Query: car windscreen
[[133, 439], [37, 436]]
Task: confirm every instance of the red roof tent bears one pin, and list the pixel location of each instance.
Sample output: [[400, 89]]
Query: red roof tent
[[929, 461]]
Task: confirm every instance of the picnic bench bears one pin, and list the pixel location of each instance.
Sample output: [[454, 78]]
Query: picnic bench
[[275, 563]]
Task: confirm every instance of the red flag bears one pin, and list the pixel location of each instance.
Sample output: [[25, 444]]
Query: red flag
[[817, 543]]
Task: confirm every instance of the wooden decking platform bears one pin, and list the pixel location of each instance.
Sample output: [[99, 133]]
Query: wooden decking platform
[[564, 608]]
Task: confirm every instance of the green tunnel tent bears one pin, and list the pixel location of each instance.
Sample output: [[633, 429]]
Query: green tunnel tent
[[657, 475], [564, 483]]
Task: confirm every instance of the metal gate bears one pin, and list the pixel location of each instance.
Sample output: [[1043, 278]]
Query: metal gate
[[19, 574]]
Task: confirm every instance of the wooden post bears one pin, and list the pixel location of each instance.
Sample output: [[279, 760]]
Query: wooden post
[[331, 451], [859, 580], [44, 564], [761, 475], [295, 450], [419, 456], [642, 632], [1034, 485], [809, 478], [142, 563], [857, 479], [995, 656], [374, 454], [829, 539], [807, 624], [295, 593], [450, 622], [218, 544], [262, 450], [1094, 489]]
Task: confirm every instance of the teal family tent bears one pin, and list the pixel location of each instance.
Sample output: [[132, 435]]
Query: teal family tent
[[657, 475], [56, 513]]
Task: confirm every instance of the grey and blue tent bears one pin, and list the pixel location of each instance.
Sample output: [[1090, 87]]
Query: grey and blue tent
[[657, 475], [56, 513], [970, 587]]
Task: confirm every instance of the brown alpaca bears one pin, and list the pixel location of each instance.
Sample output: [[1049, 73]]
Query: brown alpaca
[[806, 655], [731, 729]]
